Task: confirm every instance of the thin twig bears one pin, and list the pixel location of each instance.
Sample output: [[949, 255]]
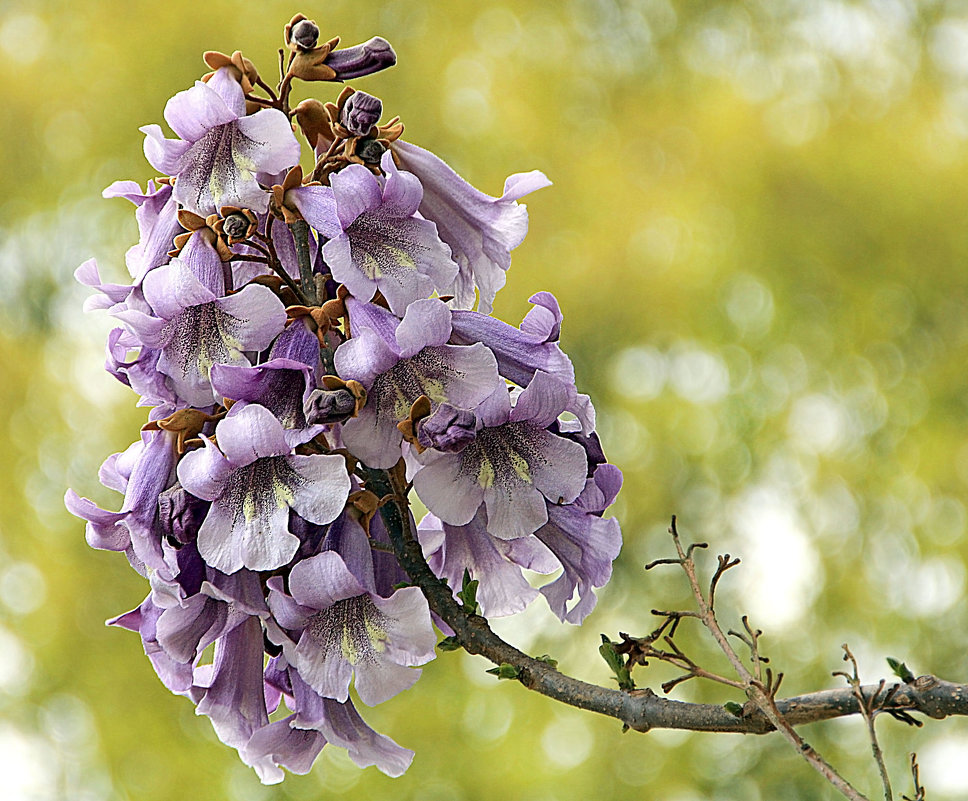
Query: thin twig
[[916, 775], [755, 690], [276, 265], [868, 709], [639, 710]]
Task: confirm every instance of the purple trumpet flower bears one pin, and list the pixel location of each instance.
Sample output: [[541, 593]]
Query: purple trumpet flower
[[512, 467], [142, 473], [330, 628], [495, 563], [398, 361], [338, 723], [376, 239], [220, 149], [521, 352], [253, 481], [480, 230], [282, 384], [576, 539], [194, 329], [584, 542], [157, 217]]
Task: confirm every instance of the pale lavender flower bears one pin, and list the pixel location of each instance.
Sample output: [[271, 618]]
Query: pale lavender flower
[[522, 351], [231, 693], [187, 628], [495, 563], [480, 230], [194, 329], [220, 149], [282, 384], [253, 481], [343, 727], [376, 239], [577, 539], [512, 467], [142, 472], [281, 744], [585, 543], [157, 217], [175, 675], [398, 361], [334, 629]]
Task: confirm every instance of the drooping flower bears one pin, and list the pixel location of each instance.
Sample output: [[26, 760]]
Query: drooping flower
[[397, 362], [334, 629], [339, 723], [480, 230], [522, 351], [253, 480], [157, 222], [282, 384], [495, 563], [585, 543], [220, 149], [142, 473], [577, 539], [512, 467]]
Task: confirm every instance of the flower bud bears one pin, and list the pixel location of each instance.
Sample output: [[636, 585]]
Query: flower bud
[[304, 34], [360, 113], [371, 151], [330, 406], [448, 429], [180, 514], [236, 226], [362, 59]]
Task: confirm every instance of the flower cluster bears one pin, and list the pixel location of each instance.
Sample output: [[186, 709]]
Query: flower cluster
[[294, 336]]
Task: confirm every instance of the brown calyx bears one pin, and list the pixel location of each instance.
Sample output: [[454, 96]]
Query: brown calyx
[[314, 122], [242, 69], [212, 228], [345, 147], [408, 427], [186, 424]]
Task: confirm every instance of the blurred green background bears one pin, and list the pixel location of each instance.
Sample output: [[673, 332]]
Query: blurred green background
[[758, 236]]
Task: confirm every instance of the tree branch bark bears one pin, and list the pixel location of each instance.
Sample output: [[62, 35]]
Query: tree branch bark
[[642, 709]]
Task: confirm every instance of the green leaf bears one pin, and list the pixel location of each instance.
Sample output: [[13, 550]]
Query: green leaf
[[449, 644], [547, 660], [615, 661], [468, 593], [902, 671], [505, 671], [734, 709]]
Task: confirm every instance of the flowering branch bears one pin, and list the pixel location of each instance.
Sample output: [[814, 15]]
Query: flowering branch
[[313, 350]]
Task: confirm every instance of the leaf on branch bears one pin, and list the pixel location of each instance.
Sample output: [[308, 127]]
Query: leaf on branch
[[505, 671], [468, 593], [449, 644], [902, 671], [615, 661], [734, 709], [546, 658]]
